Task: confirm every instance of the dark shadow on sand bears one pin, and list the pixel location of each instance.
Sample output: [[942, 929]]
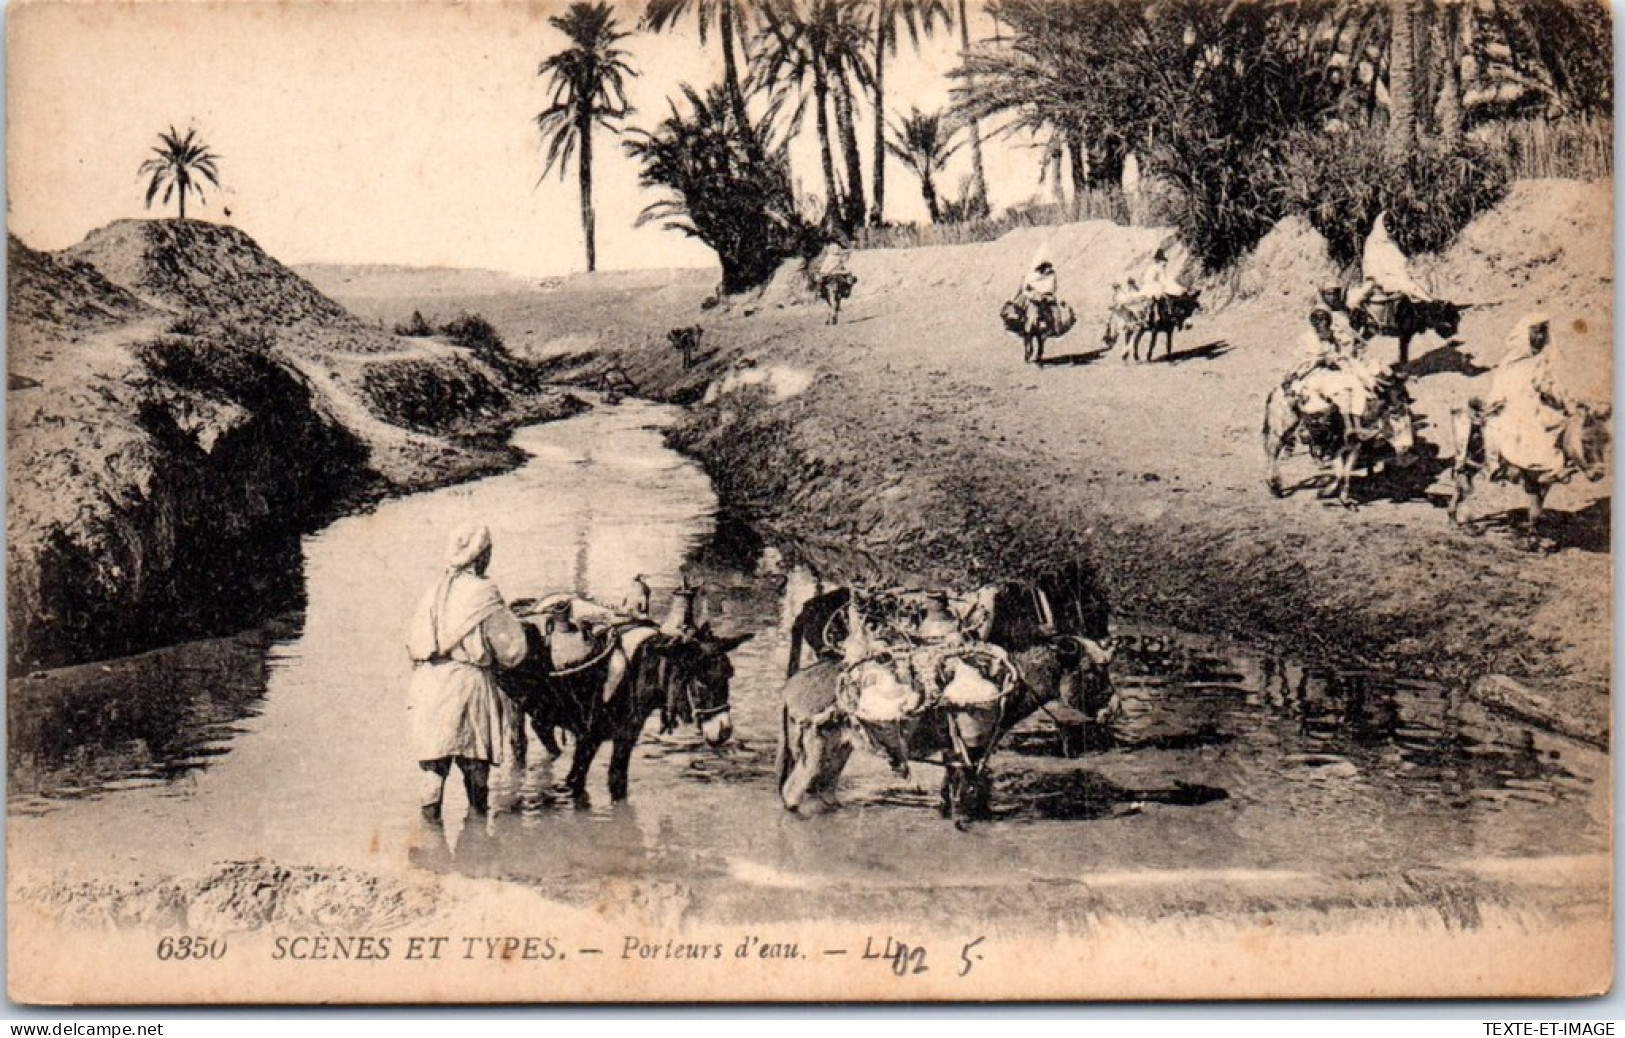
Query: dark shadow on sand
[[1082, 795], [1445, 360], [1074, 360], [1206, 351]]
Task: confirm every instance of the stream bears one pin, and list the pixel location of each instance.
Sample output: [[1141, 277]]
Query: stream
[[287, 742]]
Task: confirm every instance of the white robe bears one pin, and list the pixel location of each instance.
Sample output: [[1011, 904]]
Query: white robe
[[1155, 281], [1383, 263], [1525, 428], [460, 632], [1330, 378], [1040, 286]]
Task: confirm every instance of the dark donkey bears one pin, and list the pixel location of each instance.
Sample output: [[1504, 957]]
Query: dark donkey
[[684, 676], [1405, 318]]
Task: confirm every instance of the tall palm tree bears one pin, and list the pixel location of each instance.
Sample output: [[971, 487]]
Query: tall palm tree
[[588, 86], [923, 142], [177, 165], [1469, 60], [920, 18], [729, 17], [1401, 76], [811, 46], [851, 74], [1074, 74], [978, 172], [1444, 44]]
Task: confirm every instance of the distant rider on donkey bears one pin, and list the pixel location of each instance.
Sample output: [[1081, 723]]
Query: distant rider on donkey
[[1039, 292]]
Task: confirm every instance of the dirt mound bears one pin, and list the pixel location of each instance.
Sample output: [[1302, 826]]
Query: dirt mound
[[1089, 258], [1547, 244], [41, 289], [189, 265], [159, 455], [1286, 268], [1546, 248], [789, 286]]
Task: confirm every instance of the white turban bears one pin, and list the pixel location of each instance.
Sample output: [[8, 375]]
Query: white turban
[[467, 544]]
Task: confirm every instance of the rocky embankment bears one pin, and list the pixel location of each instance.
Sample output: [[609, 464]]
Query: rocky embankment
[[910, 443], [182, 407]]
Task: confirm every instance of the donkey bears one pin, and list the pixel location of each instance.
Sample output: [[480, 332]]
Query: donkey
[[636, 671]]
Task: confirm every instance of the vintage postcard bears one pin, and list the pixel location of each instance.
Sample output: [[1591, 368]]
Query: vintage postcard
[[690, 500]]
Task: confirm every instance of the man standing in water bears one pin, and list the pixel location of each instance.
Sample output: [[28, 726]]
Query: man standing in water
[[461, 632]]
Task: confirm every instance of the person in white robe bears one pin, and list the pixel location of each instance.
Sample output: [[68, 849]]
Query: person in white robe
[[1525, 408], [1158, 280], [1039, 288], [1331, 372], [462, 631], [1385, 268]]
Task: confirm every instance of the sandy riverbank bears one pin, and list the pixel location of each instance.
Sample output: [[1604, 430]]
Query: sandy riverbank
[[911, 435]]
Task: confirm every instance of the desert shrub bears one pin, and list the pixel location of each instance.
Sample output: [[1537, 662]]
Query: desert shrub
[[1340, 182], [416, 328], [729, 186], [187, 324], [479, 336], [474, 333]]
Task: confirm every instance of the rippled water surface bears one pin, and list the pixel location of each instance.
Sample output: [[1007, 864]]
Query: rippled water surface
[[289, 740]]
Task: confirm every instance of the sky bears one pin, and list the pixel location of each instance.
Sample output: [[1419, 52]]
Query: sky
[[370, 132]]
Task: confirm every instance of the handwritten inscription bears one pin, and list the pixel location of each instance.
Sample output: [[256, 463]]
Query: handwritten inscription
[[907, 959]]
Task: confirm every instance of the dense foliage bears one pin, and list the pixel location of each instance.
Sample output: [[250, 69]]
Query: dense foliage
[[1237, 113], [1430, 193], [727, 185], [1244, 112]]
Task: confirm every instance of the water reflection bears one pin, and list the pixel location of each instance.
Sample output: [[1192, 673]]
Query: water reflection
[[1224, 757], [141, 720]]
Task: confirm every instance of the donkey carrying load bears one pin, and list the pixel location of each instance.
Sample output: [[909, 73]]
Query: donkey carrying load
[[916, 676], [600, 675], [1134, 319], [1404, 318]]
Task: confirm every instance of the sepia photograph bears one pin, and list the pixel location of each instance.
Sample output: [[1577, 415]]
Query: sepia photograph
[[632, 501]]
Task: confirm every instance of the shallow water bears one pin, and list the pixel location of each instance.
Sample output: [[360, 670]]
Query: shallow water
[[287, 742]]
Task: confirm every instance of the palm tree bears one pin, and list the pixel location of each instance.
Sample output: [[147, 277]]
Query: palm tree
[[920, 18], [728, 16], [176, 166], [816, 45], [852, 72], [978, 173], [1445, 44], [1469, 60], [924, 143], [588, 84], [1401, 76], [1074, 74], [735, 197]]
